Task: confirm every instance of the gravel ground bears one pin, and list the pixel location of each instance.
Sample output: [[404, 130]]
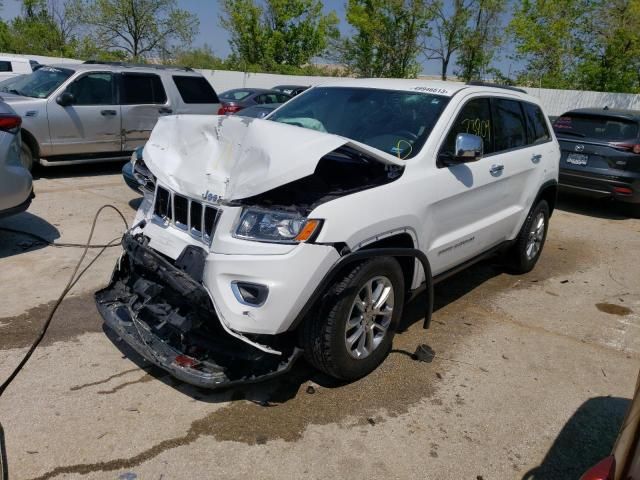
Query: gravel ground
[[531, 377]]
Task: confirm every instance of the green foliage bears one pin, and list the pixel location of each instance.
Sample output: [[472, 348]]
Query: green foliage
[[202, 58], [449, 27], [137, 28], [481, 39], [549, 37], [276, 35], [583, 44], [386, 38]]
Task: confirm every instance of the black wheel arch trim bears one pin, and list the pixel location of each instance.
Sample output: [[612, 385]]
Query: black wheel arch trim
[[32, 142], [546, 186], [365, 254]]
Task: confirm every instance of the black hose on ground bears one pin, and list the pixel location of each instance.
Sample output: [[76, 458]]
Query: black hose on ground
[[4, 469], [49, 242]]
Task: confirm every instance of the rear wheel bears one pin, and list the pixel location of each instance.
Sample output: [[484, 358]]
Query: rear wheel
[[353, 333], [26, 156], [524, 254]]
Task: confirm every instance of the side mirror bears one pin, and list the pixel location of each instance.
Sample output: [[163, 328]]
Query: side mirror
[[469, 148], [65, 99]]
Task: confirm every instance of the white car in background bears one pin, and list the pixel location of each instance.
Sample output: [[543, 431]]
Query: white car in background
[[11, 66], [258, 240], [16, 189]]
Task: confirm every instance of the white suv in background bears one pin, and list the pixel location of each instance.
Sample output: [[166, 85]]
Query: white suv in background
[[94, 111], [260, 240], [12, 66]]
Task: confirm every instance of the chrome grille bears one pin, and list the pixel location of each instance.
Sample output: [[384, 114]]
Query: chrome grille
[[199, 219]]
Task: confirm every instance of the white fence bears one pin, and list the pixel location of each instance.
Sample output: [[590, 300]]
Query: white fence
[[554, 102]]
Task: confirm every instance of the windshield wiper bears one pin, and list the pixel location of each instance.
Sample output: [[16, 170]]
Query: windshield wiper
[[17, 92]]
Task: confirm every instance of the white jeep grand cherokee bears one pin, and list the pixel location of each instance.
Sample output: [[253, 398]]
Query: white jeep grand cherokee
[[261, 240]]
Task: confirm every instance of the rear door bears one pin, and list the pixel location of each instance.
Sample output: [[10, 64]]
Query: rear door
[[197, 95], [522, 147], [143, 100], [91, 124]]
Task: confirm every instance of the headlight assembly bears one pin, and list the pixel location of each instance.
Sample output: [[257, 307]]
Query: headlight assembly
[[275, 226]]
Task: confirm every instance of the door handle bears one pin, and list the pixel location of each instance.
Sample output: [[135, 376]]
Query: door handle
[[496, 169], [536, 158], [108, 113], [165, 110]]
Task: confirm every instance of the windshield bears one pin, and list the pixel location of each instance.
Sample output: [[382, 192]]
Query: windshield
[[396, 122], [40, 83], [596, 127]]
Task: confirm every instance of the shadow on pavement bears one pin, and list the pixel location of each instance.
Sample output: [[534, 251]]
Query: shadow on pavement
[[593, 207], [586, 438], [85, 170], [16, 243]]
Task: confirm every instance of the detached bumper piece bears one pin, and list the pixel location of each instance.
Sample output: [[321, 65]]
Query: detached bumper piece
[[167, 317]]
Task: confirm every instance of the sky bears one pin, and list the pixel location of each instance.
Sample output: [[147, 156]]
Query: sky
[[212, 34]]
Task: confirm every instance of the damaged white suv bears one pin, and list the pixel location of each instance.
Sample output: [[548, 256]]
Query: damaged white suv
[[262, 240]]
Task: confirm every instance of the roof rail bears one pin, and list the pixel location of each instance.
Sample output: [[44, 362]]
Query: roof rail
[[478, 83], [139, 65]]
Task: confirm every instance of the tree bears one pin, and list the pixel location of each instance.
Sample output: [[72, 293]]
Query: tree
[[550, 38], [36, 32], [612, 57], [198, 58], [481, 39], [386, 39], [277, 34], [139, 28], [449, 30]]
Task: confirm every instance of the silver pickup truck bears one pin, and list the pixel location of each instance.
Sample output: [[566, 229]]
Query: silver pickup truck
[[93, 111]]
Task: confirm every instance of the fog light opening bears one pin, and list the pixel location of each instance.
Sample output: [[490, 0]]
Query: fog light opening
[[251, 294]]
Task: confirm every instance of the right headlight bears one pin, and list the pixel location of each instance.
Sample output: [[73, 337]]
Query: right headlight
[[275, 226]]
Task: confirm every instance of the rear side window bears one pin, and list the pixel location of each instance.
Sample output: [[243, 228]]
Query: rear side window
[[537, 129], [195, 90], [508, 124], [596, 127], [474, 118], [142, 89], [235, 95], [5, 66]]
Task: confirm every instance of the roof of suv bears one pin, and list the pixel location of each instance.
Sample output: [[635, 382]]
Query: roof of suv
[[608, 112], [438, 87], [124, 67]]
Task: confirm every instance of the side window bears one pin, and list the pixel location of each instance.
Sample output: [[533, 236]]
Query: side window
[[195, 89], [536, 125], [474, 118], [508, 124], [282, 98], [142, 89], [5, 66], [93, 89], [260, 99]]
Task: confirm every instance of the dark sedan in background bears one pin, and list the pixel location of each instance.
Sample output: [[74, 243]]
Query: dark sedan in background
[[291, 90], [601, 153], [233, 101]]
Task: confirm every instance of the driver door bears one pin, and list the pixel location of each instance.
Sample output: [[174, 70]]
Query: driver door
[[91, 123], [470, 196]]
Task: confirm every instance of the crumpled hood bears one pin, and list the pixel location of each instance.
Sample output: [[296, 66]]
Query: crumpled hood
[[231, 157]]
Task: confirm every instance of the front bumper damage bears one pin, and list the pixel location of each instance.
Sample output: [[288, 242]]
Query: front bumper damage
[[167, 316]]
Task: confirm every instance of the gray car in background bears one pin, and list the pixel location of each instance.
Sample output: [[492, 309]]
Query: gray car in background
[[79, 113], [16, 189]]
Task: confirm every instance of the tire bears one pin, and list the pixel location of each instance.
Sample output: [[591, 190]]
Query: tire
[[324, 336], [26, 156], [524, 254]]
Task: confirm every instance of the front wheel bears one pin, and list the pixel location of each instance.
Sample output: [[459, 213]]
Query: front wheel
[[524, 254], [353, 332]]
